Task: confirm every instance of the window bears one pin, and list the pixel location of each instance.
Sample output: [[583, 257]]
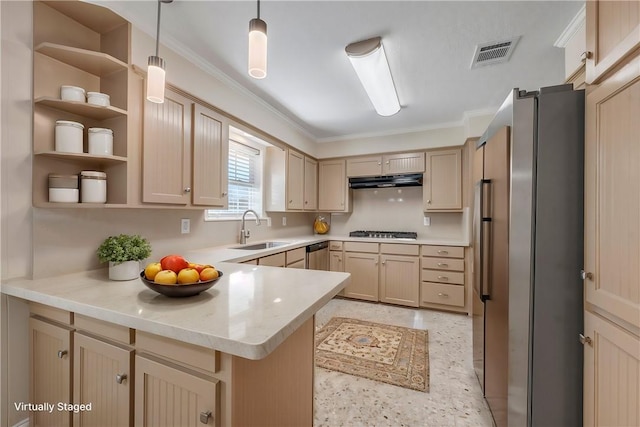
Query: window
[[245, 182]]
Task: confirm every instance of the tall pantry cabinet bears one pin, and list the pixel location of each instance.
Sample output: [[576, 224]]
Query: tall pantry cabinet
[[612, 207]]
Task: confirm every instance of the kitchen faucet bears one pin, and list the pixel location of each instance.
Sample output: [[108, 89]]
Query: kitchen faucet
[[244, 234]]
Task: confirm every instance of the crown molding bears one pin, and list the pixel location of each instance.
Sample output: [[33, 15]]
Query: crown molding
[[572, 28]]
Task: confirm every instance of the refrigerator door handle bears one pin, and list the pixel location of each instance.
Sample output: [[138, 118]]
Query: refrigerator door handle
[[485, 240]]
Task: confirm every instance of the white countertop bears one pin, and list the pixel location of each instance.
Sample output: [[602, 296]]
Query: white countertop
[[248, 313]]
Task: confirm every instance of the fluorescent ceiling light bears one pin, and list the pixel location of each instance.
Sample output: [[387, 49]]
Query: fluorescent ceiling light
[[370, 62]]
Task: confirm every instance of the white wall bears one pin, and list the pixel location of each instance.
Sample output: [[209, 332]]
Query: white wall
[[396, 209]]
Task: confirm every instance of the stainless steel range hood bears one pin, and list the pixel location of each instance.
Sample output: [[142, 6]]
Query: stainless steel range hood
[[410, 180]]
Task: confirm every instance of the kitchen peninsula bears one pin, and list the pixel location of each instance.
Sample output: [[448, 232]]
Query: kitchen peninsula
[[240, 353]]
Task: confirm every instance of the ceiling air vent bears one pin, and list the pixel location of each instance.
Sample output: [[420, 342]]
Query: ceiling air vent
[[493, 52]]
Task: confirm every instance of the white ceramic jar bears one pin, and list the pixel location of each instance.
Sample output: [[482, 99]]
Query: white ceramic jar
[[63, 188], [100, 141], [97, 98], [93, 187], [72, 93], [68, 136]]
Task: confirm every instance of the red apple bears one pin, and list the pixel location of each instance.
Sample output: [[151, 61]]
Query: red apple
[[174, 263]]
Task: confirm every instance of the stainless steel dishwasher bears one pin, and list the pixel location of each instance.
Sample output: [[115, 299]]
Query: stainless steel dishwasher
[[318, 256]]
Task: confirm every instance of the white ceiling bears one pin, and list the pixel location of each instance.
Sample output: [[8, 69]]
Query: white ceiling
[[429, 45]]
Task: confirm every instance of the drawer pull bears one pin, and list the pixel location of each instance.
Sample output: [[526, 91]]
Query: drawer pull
[[585, 340], [443, 278], [204, 417], [120, 378], [443, 264], [62, 354], [443, 295], [442, 251]]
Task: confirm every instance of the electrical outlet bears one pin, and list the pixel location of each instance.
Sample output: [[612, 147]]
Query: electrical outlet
[[284, 220], [268, 221], [427, 221], [185, 225]]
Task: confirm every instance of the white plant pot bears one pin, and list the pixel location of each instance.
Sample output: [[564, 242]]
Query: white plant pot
[[127, 270]]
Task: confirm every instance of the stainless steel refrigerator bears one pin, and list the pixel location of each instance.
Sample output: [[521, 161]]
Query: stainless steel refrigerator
[[528, 253]]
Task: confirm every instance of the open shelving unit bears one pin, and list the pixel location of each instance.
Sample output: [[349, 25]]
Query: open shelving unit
[[88, 46]]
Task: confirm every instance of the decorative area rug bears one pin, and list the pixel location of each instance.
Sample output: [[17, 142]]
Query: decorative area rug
[[391, 354]]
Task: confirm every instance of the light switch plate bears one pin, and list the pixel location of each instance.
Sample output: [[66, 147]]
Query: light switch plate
[[185, 226], [427, 221], [284, 220]]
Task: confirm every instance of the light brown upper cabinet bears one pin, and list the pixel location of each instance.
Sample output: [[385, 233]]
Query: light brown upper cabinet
[[310, 184], [612, 199], [613, 32], [387, 164], [286, 183], [87, 46], [442, 185], [185, 153], [333, 192]]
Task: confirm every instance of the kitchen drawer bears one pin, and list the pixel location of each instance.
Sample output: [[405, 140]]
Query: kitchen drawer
[[275, 260], [452, 277], [399, 249], [105, 329], [443, 264], [184, 354], [296, 255], [437, 293], [443, 251], [335, 246], [361, 247], [52, 313]]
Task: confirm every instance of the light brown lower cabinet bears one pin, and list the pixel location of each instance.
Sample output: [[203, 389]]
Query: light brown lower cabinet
[[336, 263], [612, 374], [51, 358], [443, 278], [399, 278], [103, 377], [275, 260], [135, 378], [364, 275], [168, 396]]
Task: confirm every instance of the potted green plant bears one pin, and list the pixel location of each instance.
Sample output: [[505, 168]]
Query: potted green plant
[[124, 253]]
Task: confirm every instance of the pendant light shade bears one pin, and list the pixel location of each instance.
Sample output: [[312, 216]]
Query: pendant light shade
[[370, 63], [155, 71], [258, 47], [155, 80]]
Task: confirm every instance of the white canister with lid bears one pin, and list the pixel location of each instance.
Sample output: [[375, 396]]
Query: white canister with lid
[[63, 188], [97, 98], [72, 93], [68, 136], [93, 187], [100, 141]]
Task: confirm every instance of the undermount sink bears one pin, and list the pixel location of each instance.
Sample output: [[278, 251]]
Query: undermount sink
[[263, 245]]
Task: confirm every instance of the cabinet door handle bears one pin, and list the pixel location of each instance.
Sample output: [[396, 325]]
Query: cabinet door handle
[[586, 55], [383, 262], [224, 193], [120, 378], [443, 295], [187, 190], [443, 278], [62, 354], [429, 201], [584, 275], [443, 252], [379, 163], [204, 417], [290, 201], [443, 264], [387, 162], [585, 340]]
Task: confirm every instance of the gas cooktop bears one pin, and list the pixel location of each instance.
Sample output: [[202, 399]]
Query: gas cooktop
[[385, 234]]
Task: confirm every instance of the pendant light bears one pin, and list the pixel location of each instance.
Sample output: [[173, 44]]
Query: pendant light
[[258, 47], [155, 72]]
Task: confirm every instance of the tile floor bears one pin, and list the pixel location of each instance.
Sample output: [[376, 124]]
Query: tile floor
[[454, 397]]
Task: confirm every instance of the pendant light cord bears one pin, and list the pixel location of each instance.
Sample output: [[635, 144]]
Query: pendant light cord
[[258, 9], [158, 29]]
